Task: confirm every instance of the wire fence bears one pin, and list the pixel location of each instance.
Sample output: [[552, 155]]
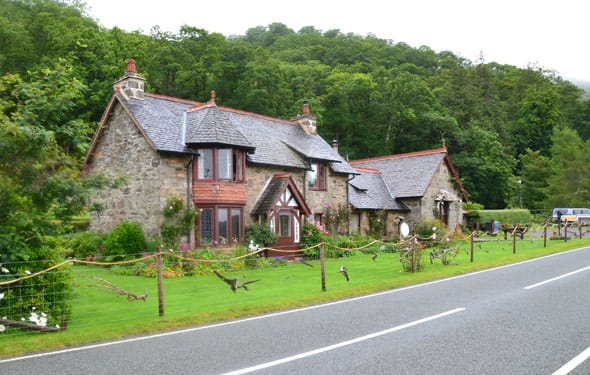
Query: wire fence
[[180, 286]]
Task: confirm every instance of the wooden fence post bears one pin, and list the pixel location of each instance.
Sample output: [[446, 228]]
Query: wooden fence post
[[160, 285], [565, 231], [413, 249], [472, 236], [322, 266], [545, 235], [514, 239]]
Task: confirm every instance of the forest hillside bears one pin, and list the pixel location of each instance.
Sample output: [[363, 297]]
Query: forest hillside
[[517, 136]]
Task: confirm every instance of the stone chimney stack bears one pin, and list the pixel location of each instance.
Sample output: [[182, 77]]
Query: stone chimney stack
[[131, 85], [306, 120], [335, 145]]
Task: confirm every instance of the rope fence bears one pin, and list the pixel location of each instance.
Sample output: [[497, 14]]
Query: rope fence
[[100, 284]]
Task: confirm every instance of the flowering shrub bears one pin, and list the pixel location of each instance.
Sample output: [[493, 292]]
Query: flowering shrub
[[312, 235], [49, 291]]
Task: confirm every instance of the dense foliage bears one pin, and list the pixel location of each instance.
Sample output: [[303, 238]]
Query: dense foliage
[[126, 239], [374, 96]]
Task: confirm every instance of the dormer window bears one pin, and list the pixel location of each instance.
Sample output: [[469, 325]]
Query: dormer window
[[316, 177], [225, 164]]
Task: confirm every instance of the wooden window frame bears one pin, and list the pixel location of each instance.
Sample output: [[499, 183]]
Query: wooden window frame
[[320, 170], [215, 235], [237, 169]]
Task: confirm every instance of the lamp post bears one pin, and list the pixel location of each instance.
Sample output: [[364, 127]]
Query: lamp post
[[520, 192]]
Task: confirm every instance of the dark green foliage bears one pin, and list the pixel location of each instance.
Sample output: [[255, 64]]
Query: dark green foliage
[[48, 293], [505, 217], [126, 239], [260, 234], [84, 244]]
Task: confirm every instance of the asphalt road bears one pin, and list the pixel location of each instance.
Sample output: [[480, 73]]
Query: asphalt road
[[528, 318]]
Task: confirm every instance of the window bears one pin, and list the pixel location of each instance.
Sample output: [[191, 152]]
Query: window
[[206, 225], [236, 224], [224, 164], [221, 225], [205, 164], [285, 224], [318, 218], [316, 177], [221, 164]]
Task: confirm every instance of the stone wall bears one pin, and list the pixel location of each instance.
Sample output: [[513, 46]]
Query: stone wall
[[145, 179], [257, 176]]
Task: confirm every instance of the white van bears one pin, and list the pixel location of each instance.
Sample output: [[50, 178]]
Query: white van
[[580, 214]]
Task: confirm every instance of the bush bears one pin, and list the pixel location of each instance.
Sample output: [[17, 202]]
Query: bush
[[85, 244], [261, 235], [505, 217], [426, 228], [49, 293], [126, 239], [311, 236]]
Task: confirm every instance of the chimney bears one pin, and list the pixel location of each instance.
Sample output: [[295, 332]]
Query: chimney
[[307, 121], [335, 145], [131, 85]]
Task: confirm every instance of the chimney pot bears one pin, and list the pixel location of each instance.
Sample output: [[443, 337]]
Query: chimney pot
[[131, 67], [305, 107]]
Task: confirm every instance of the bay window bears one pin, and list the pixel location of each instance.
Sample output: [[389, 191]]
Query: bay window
[[221, 225], [221, 164]]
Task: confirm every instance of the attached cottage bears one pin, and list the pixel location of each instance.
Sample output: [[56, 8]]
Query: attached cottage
[[407, 188]]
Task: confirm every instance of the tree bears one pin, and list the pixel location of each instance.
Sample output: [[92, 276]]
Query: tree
[[569, 184], [534, 181], [485, 167]]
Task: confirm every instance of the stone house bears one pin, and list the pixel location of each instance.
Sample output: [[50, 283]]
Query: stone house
[[406, 188], [237, 168]]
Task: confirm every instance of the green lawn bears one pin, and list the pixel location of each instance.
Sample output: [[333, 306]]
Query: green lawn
[[99, 315]]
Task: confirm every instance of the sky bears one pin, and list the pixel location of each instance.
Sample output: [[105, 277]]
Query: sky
[[552, 35]]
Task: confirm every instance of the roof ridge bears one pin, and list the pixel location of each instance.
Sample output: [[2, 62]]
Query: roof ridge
[[368, 170], [400, 156], [242, 112], [174, 99]]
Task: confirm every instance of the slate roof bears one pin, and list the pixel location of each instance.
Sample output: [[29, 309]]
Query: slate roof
[[171, 124], [406, 175], [211, 125], [368, 191]]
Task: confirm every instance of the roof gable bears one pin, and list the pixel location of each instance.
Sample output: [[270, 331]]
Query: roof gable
[[276, 186]]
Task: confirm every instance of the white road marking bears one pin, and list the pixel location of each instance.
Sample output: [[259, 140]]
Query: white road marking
[[194, 329], [575, 362], [343, 343], [557, 278]]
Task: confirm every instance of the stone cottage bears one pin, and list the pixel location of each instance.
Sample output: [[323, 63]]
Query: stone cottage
[[237, 168], [406, 188]]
